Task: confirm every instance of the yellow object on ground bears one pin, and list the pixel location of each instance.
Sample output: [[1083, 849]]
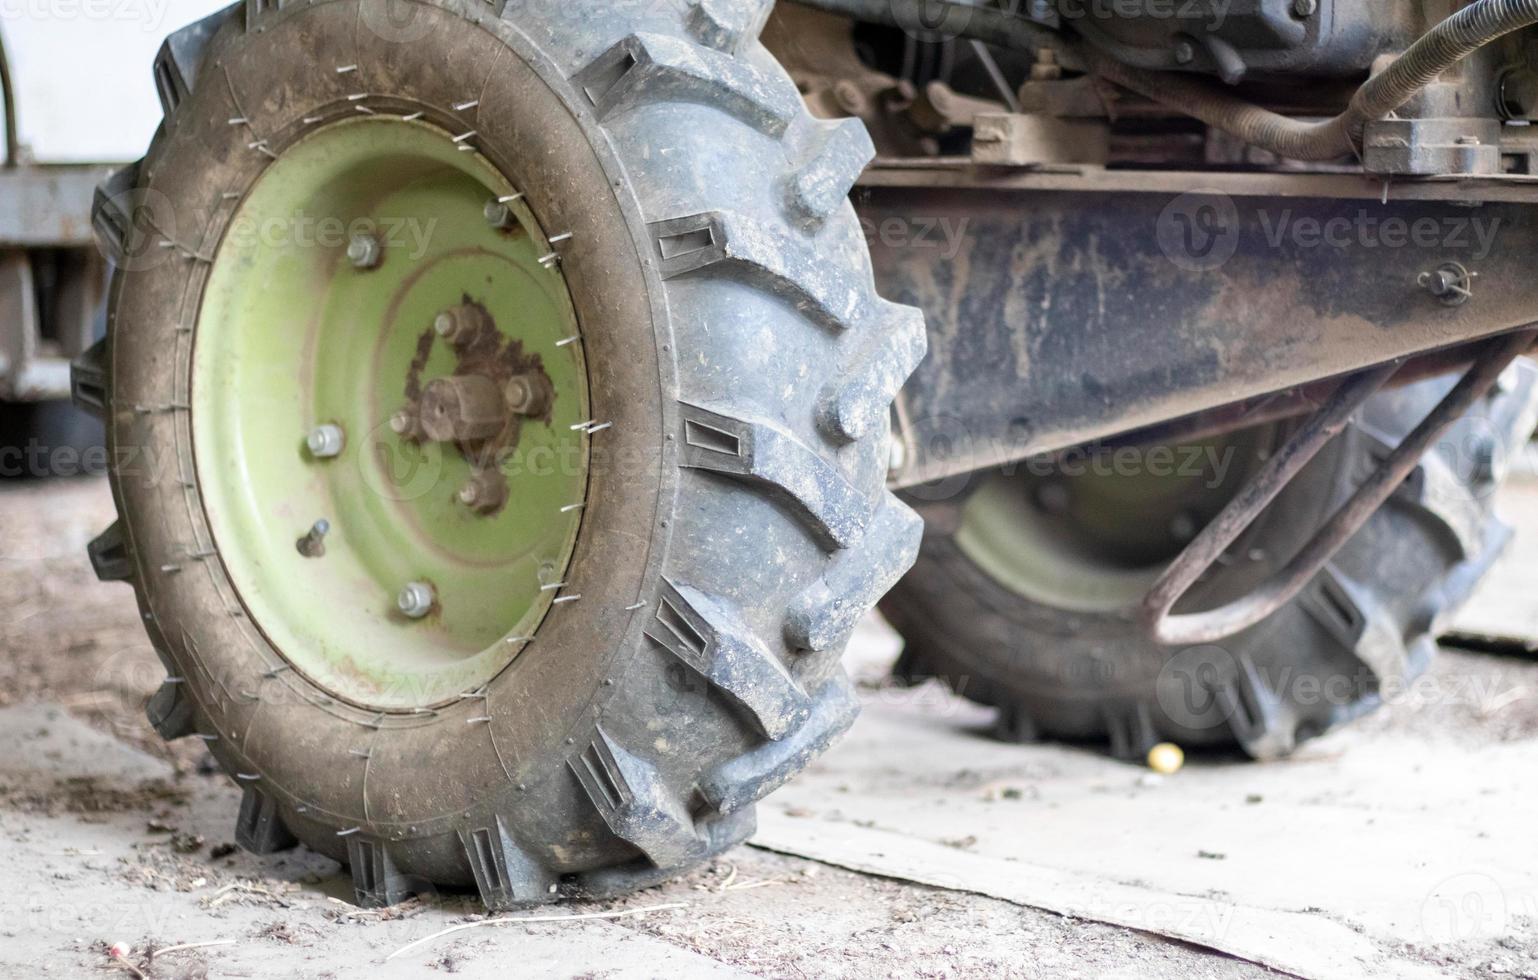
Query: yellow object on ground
[[1166, 758]]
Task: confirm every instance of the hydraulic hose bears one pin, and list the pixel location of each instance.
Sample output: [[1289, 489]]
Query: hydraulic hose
[[1435, 52]]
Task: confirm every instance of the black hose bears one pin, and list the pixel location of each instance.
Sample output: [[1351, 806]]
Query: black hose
[[8, 95], [1439, 49]]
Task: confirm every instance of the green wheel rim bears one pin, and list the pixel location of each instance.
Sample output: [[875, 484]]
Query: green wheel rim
[[295, 333], [1090, 534]]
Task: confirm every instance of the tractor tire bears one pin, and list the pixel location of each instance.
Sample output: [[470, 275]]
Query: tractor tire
[[1058, 665], [733, 522]]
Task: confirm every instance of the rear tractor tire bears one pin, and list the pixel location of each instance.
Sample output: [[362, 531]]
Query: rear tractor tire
[[1022, 596]]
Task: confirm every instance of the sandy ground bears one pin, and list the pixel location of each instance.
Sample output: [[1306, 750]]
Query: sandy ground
[[107, 835]]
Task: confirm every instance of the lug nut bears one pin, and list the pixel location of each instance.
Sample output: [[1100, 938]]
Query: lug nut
[[446, 325], [326, 441], [499, 215], [416, 600], [365, 251], [313, 545]]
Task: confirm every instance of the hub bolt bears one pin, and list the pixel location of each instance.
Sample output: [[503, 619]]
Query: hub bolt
[[326, 441], [406, 424], [462, 323], [486, 493], [365, 251], [527, 394], [499, 215], [416, 600]]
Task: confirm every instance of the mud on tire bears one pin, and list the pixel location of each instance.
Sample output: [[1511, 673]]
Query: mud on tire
[[738, 523]]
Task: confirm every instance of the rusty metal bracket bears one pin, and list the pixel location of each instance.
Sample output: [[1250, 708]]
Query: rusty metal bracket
[[1247, 506]]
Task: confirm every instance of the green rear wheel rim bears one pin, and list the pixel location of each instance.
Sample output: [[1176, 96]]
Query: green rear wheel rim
[[294, 334], [1093, 532]]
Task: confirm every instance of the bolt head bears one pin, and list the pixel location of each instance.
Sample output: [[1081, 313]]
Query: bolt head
[[469, 494], [445, 325], [1185, 52], [416, 600], [1304, 8], [498, 215], [365, 251], [326, 441]]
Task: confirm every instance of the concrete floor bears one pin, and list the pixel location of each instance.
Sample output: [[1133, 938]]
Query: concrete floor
[[108, 836]]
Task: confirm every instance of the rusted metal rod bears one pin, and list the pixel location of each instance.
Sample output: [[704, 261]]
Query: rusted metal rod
[[1225, 621]]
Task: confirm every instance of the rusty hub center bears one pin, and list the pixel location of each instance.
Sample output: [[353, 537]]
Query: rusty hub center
[[482, 406]]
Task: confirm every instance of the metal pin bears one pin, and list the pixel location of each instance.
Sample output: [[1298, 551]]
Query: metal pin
[[247, 777], [377, 724], [280, 669], [413, 117], [170, 569], [176, 680], [250, 697], [467, 105], [582, 426], [566, 237], [313, 544], [346, 69], [364, 109], [567, 598], [238, 121], [478, 721], [357, 97], [549, 261], [567, 342], [571, 507], [349, 832], [230, 195], [360, 753], [639, 605], [595, 429], [209, 738], [514, 641], [553, 588], [510, 198], [311, 120], [467, 148]]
